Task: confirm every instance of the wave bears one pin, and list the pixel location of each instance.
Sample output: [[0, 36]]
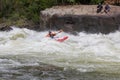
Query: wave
[[83, 52]]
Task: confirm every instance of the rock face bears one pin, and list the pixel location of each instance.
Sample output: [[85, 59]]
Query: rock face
[[80, 18]]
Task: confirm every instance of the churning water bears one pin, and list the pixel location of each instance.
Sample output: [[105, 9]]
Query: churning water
[[87, 54]]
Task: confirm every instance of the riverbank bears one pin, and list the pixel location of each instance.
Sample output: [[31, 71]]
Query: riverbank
[[70, 18], [5, 24]]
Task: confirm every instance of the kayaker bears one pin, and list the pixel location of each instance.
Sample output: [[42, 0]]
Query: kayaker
[[53, 34]]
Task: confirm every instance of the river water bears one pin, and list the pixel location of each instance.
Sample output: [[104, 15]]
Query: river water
[[29, 55]]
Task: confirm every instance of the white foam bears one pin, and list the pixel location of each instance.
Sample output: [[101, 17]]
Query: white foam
[[77, 50]]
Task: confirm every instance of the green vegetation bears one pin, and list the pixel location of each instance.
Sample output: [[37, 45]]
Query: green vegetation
[[15, 10], [97, 1], [23, 9]]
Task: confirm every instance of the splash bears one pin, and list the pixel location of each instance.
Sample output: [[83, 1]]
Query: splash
[[84, 52]]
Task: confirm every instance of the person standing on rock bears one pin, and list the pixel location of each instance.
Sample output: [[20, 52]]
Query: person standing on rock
[[99, 8], [107, 8]]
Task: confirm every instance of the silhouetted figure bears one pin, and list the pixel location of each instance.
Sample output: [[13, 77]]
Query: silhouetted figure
[[107, 8], [99, 8]]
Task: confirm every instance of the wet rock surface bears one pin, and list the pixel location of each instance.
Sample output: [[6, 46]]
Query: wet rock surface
[[4, 27]]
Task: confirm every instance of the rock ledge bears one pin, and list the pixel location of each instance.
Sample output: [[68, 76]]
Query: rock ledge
[[80, 18]]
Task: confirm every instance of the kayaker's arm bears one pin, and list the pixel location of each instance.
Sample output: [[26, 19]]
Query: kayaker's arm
[[54, 33]]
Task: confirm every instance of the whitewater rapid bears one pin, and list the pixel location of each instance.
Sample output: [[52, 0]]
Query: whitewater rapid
[[83, 52]]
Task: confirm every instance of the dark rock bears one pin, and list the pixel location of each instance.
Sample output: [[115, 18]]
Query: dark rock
[[4, 27], [87, 23]]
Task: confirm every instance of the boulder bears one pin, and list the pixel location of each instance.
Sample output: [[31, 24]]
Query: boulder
[[80, 18], [4, 27]]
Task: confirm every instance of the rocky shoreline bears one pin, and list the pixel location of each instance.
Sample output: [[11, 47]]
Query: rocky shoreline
[[7, 24]]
